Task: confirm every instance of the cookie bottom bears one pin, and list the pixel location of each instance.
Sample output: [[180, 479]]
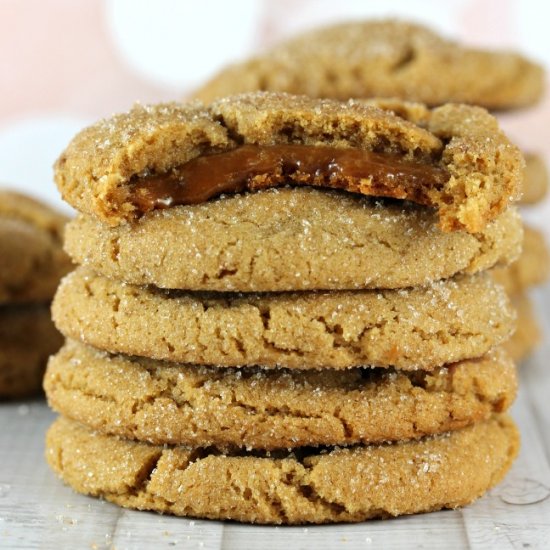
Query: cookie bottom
[[338, 485], [27, 338]]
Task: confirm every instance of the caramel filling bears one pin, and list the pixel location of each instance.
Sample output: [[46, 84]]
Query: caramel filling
[[252, 167]]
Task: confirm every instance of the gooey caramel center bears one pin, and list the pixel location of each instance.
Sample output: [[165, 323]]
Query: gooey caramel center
[[252, 167]]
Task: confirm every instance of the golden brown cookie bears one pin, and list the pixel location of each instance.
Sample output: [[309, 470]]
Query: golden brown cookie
[[302, 486], [32, 260], [535, 181], [155, 157], [528, 334], [535, 185], [385, 58], [14, 205], [532, 267], [27, 338], [290, 239], [414, 328], [180, 404]]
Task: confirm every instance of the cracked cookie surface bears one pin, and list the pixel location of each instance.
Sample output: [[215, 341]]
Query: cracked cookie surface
[[304, 486], [161, 402], [290, 239], [410, 329], [32, 259], [384, 58], [107, 168]]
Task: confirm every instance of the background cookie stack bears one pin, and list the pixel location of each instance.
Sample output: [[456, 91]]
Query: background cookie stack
[[31, 265], [531, 269], [291, 354]]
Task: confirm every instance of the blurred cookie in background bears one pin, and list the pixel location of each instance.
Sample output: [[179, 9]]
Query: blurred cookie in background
[[528, 334], [535, 186], [384, 58], [33, 263], [27, 338], [531, 269], [31, 236]]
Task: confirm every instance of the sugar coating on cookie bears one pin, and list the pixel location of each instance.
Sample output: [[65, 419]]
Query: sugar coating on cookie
[[418, 328], [302, 486], [161, 402], [33, 261], [290, 239], [457, 160], [384, 58]]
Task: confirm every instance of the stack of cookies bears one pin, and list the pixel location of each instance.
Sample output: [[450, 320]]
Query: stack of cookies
[[282, 312], [31, 264], [399, 59]]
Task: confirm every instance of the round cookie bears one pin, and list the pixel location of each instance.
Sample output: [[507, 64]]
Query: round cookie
[[179, 404], [409, 329], [30, 247], [337, 485], [290, 239], [532, 268], [27, 338], [384, 58], [528, 334], [535, 185], [456, 160]]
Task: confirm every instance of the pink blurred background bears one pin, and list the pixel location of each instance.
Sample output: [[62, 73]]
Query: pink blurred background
[[66, 63]]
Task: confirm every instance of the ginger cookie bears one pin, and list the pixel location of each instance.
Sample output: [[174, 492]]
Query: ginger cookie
[[33, 261], [457, 160], [300, 486], [410, 329], [290, 239], [180, 404], [532, 267], [27, 338], [14, 205], [535, 185], [528, 334], [384, 58]]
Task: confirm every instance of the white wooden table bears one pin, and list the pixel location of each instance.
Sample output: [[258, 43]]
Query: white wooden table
[[38, 511]]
